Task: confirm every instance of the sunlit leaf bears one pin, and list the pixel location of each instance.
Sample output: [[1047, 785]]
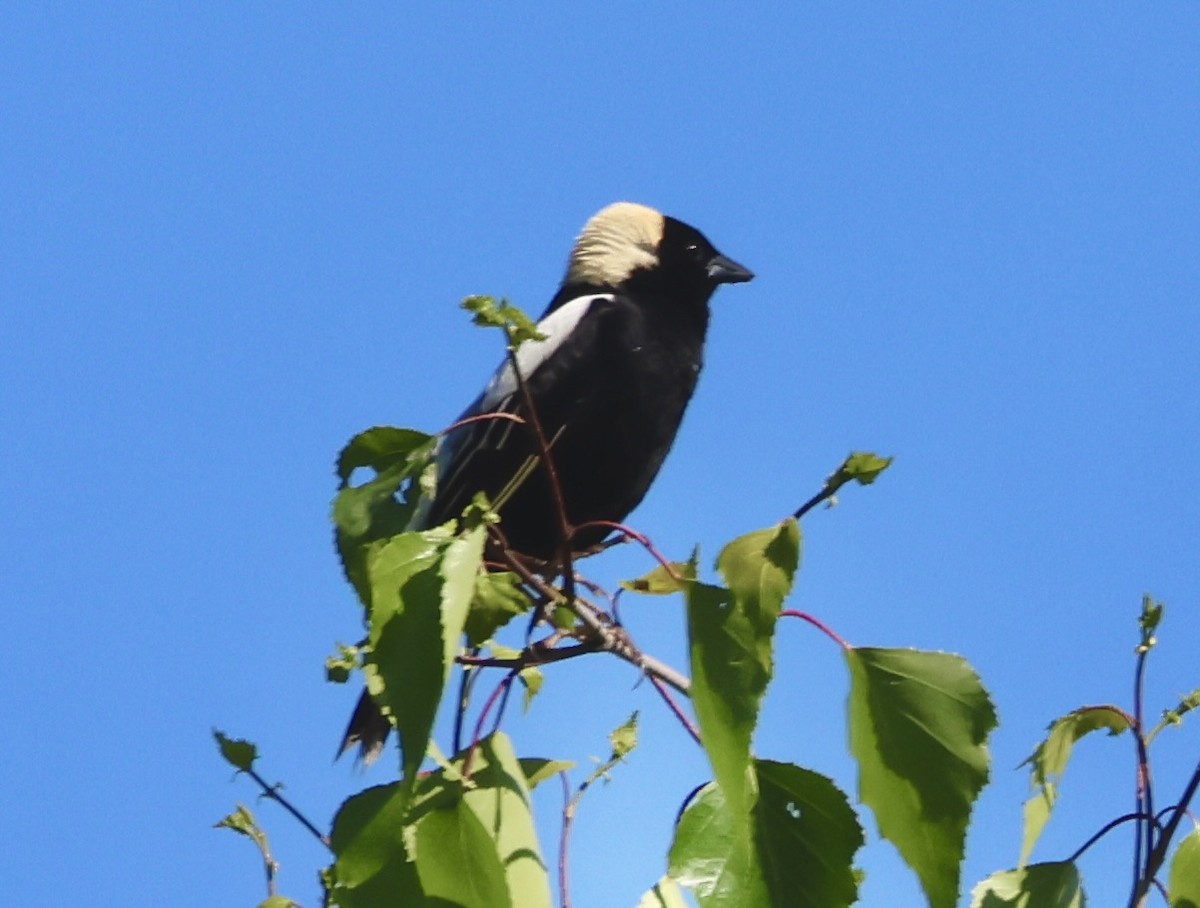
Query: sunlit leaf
[[919, 723], [371, 864], [460, 571], [240, 754], [1049, 761], [341, 665], [498, 599], [242, 821], [421, 585], [806, 835], [864, 467], [1150, 618], [659, 582], [664, 894], [531, 679], [404, 666], [624, 738], [490, 313], [456, 860], [1183, 885], [1054, 885], [1187, 703], [538, 770], [370, 509], [713, 854], [380, 448], [498, 797], [730, 631]]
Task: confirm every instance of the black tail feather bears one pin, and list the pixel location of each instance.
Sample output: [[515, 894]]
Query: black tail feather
[[368, 728]]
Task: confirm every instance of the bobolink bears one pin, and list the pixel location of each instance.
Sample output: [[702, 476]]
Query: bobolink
[[623, 347]]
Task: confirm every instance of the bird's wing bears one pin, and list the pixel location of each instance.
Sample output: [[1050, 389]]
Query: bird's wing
[[540, 362]]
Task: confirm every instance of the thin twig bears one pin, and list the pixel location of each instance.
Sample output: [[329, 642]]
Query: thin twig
[[272, 792], [642, 539], [1104, 830], [564, 884], [827, 492], [1143, 831], [612, 639], [483, 714], [1159, 854], [535, 654], [482, 417], [818, 624], [465, 684], [504, 702], [686, 722]]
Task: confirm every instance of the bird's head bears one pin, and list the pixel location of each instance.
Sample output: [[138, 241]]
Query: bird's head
[[632, 247]]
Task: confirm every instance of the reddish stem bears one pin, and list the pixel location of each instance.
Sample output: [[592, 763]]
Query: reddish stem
[[637, 537], [495, 695], [818, 624], [665, 693], [482, 417]]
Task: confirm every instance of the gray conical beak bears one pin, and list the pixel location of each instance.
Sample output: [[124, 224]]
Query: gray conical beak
[[722, 270]]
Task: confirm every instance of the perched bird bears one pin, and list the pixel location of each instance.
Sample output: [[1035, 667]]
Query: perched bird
[[624, 343]]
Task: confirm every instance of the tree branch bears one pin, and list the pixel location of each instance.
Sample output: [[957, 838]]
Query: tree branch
[[272, 792]]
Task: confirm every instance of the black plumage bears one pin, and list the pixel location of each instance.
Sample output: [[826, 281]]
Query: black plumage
[[623, 350]]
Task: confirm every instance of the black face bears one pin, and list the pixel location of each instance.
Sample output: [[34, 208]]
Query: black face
[[688, 261]]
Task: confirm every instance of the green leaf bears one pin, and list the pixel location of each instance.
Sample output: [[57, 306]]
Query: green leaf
[[404, 665], [371, 864], [460, 571], [457, 862], [1048, 762], [531, 679], [1183, 886], [727, 678], [730, 632], [665, 894], [240, 754], [759, 569], [277, 901], [368, 515], [660, 581], [1149, 619], [624, 738], [517, 326], [498, 599], [498, 797], [421, 585], [1174, 716], [242, 821], [339, 667], [806, 835], [381, 448], [713, 854], [562, 618], [863, 467], [501, 799], [538, 770], [1054, 885], [919, 723], [396, 455]]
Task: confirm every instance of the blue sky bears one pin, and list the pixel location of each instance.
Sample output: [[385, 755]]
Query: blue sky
[[234, 235]]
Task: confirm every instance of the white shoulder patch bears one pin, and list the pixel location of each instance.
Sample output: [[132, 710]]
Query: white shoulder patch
[[557, 327]]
